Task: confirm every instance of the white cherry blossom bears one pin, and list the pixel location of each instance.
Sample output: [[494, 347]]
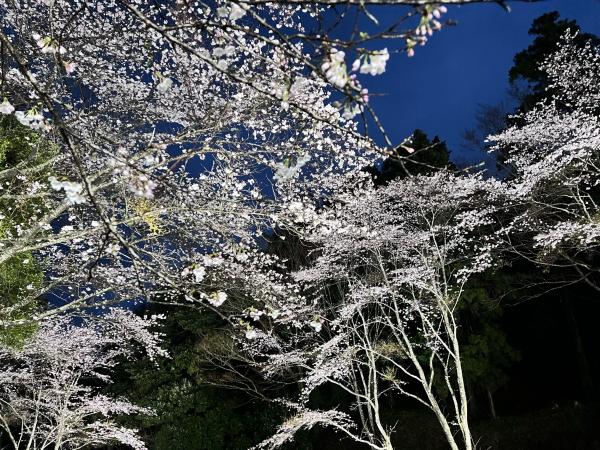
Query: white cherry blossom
[[6, 108]]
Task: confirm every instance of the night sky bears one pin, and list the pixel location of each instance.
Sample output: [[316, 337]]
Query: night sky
[[438, 90]]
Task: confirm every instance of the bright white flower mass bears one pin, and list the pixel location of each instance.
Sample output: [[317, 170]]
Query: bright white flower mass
[[70, 67], [164, 85], [113, 249], [286, 171], [199, 273], [73, 190], [6, 107], [233, 12], [237, 12], [31, 119], [375, 62], [217, 299], [335, 68], [316, 325]]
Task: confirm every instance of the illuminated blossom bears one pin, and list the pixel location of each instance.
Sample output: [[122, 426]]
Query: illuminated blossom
[[375, 62], [217, 299], [335, 68], [73, 190], [6, 107]]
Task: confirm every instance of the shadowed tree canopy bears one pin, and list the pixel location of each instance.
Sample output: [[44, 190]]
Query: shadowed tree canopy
[[197, 403], [418, 155]]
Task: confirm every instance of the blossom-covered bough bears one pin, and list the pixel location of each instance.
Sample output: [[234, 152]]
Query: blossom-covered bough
[[166, 141]]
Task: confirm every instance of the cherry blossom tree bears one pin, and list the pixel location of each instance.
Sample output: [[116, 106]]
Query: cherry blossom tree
[[398, 257], [554, 153], [49, 389]]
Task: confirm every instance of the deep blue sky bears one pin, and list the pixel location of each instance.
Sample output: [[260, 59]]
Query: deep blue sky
[[438, 90]]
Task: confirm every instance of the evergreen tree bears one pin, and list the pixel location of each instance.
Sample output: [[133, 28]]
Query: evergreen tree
[[418, 155]]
